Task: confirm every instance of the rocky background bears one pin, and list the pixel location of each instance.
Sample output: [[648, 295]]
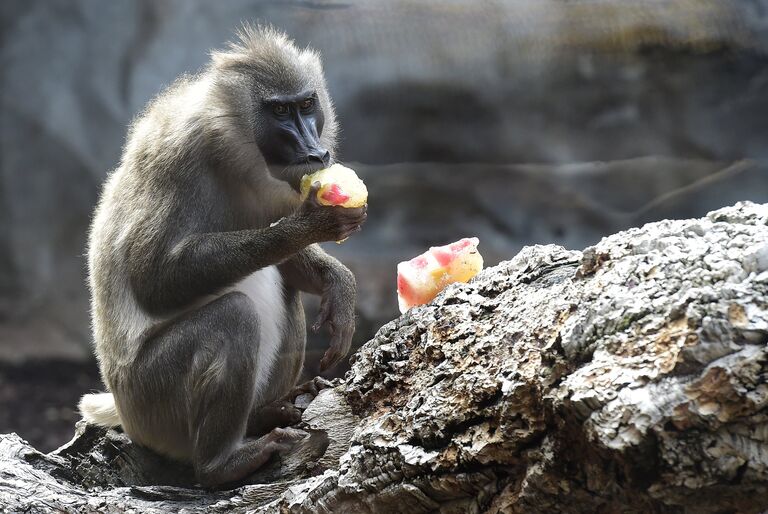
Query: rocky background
[[521, 122]]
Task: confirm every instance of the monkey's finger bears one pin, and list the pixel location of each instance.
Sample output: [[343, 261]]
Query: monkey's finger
[[346, 340], [349, 229], [319, 325], [348, 214], [340, 345], [312, 195], [327, 361], [354, 223], [331, 356], [280, 447], [351, 224], [350, 232], [355, 220], [311, 388], [286, 434], [321, 383], [355, 212], [345, 233], [322, 316]]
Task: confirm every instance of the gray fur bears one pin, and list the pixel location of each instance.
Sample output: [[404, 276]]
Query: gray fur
[[192, 211]]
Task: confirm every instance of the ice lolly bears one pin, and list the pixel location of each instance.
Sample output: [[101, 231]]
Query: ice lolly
[[339, 185], [423, 277]]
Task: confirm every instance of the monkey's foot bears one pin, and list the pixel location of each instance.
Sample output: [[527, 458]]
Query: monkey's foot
[[279, 413], [282, 439], [312, 387], [293, 453]]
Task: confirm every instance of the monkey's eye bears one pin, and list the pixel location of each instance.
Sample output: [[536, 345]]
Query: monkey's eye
[[307, 104], [280, 109]]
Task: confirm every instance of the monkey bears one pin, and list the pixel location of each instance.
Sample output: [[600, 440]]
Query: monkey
[[199, 249]]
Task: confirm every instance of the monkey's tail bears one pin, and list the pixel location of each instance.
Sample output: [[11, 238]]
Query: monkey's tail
[[99, 409]]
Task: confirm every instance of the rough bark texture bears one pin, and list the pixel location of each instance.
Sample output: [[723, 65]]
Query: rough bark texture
[[627, 378]]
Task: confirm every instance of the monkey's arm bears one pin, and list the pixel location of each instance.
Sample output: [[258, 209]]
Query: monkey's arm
[[310, 269], [169, 278], [201, 264], [315, 272]]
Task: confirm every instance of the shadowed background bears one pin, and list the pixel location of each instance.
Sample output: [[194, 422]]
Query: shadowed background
[[519, 122]]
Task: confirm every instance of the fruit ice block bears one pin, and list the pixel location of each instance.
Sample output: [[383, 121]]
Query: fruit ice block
[[339, 185], [423, 277]]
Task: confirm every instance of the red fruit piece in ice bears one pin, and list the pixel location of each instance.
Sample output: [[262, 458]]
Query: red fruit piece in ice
[[334, 195], [419, 262]]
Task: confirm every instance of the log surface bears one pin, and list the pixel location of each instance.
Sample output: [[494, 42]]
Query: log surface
[[630, 377]]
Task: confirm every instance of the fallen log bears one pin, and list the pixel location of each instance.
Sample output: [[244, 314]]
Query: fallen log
[[630, 377]]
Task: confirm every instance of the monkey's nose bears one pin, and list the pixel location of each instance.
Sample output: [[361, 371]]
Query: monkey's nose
[[323, 156]]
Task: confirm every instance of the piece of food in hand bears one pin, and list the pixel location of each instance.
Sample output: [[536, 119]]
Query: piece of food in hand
[[422, 278], [339, 185]]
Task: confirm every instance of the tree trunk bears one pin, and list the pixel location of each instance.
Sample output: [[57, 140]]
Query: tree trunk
[[630, 377]]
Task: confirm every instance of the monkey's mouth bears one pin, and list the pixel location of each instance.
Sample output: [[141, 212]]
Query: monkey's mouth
[[292, 173]]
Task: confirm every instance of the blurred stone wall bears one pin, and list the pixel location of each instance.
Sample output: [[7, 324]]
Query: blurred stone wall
[[520, 121]]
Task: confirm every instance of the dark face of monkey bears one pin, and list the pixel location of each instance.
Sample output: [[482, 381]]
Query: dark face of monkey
[[289, 139]]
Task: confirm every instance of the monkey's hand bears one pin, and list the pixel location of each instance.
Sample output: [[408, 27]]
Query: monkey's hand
[[329, 223], [337, 312]]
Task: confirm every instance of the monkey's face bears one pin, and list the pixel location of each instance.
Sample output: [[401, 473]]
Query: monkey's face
[[289, 136]]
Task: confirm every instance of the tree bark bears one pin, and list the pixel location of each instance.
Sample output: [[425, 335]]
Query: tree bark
[[631, 377]]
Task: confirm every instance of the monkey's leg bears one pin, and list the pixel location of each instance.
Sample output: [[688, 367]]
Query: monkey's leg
[[193, 387], [279, 410], [222, 402]]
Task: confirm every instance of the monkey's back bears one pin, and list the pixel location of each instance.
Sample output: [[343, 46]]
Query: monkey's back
[[135, 202], [117, 318]]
